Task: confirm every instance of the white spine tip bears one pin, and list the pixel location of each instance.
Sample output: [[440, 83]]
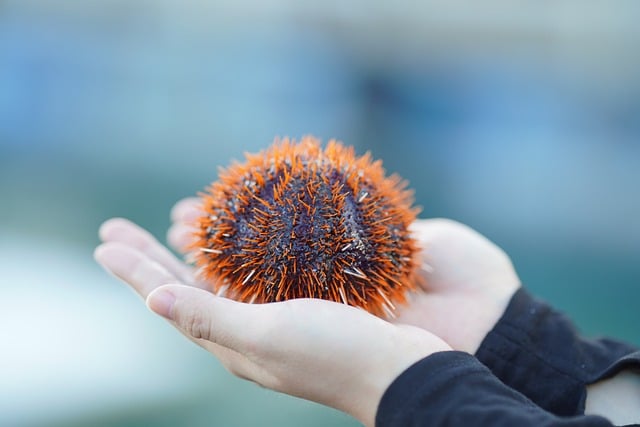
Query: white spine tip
[[355, 272], [246, 279], [211, 251]]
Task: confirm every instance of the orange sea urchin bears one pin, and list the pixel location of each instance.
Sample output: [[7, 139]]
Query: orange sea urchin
[[297, 221]]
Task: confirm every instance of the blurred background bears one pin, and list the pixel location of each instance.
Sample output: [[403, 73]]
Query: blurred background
[[521, 119]]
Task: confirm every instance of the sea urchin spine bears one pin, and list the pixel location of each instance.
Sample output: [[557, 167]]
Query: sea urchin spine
[[297, 221]]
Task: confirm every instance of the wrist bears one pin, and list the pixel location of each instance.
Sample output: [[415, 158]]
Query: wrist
[[480, 325], [615, 398], [407, 346], [431, 389], [533, 337]]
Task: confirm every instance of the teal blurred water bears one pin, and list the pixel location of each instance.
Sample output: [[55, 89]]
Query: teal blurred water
[[525, 126]]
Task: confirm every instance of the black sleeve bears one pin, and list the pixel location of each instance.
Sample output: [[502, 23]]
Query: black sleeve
[[537, 351], [454, 389]]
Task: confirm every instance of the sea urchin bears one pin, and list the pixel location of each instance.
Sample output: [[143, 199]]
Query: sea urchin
[[300, 221]]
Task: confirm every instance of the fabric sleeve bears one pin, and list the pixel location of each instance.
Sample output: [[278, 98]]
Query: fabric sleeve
[[538, 352], [454, 389]]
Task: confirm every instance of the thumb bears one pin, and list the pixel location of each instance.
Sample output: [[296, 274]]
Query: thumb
[[201, 315]]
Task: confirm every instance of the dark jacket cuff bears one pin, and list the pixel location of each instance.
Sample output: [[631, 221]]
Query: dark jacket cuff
[[538, 352], [454, 389], [411, 392]]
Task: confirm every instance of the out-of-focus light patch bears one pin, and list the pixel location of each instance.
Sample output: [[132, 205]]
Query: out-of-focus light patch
[[576, 193], [75, 343]]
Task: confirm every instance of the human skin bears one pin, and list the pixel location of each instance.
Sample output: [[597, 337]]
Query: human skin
[[327, 352], [468, 280], [468, 284]]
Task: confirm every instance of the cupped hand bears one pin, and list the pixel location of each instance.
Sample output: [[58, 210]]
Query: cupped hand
[[468, 284], [323, 351], [468, 279]]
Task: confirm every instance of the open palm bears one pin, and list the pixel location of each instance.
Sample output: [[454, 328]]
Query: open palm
[[468, 280], [331, 353]]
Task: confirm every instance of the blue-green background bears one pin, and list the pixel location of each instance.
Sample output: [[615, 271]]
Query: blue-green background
[[522, 121]]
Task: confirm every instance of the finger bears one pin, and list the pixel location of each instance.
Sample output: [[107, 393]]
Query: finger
[[180, 236], [125, 231], [133, 267], [424, 232], [187, 210], [428, 229], [225, 328], [201, 315], [442, 233]]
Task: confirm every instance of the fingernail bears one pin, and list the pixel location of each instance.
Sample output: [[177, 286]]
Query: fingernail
[[161, 302]]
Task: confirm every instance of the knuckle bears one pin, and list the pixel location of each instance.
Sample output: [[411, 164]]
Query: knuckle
[[197, 326]]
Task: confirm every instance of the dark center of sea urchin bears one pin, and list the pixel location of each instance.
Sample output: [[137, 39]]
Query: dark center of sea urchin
[[297, 221]]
